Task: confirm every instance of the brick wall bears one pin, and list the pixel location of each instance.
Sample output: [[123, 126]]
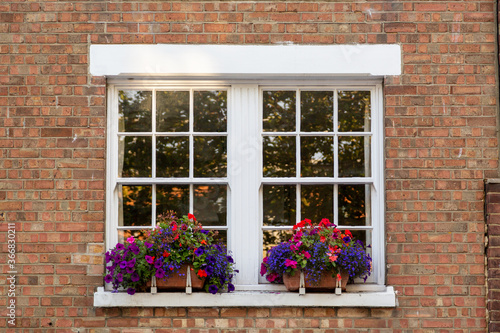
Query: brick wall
[[493, 226], [441, 144]]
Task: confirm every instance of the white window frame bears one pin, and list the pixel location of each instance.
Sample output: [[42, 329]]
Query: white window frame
[[244, 101]]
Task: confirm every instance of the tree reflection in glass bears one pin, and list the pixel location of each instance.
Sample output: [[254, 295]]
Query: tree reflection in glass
[[172, 198], [279, 111], [135, 154], [272, 238], [210, 156], [172, 156], [317, 202], [279, 156], [210, 111], [316, 156], [210, 202], [172, 111], [354, 205], [279, 205], [354, 156], [354, 111], [134, 111], [316, 109], [135, 205]]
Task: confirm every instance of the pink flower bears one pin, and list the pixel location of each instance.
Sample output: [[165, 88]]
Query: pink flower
[[290, 263], [306, 254], [263, 269], [131, 240]]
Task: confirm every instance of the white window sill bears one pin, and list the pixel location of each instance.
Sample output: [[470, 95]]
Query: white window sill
[[383, 298]]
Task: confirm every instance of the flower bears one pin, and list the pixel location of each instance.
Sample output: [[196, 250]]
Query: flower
[[213, 289], [172, 243], [315, 248]]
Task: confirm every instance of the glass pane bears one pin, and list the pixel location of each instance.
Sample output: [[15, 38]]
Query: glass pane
[[279, 111], [172, 156], [137, 234], [279, 205], [354, 205], [279, 156], [172, 198], [271, 238], [354, 156], [210, 156], [210, 204], [134, 111], [172, 111], [134, 205], [210, 111], [221, 236], [317, 202], [316, 109], [316, 154], [354, 111], [135, 156]]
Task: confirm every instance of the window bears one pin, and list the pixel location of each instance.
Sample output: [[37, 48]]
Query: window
[[249, 160]]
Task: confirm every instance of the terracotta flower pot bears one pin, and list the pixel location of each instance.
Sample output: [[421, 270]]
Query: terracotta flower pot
[[176, 281], [327, 282]]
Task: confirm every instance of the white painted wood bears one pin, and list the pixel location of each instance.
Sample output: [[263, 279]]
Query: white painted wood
[[385, 298], [245, 175], [165, 59]]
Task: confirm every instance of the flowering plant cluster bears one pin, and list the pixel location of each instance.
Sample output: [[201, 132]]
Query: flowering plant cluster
[[315, 249], [172, 244]]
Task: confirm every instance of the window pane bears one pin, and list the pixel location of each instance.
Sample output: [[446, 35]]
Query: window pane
[[172, 156], [354, 205], [316, 154], [317, 202], [279, 205], [210, 111], [316, 109], [172, 198], [134, 153], [134, 206], [354, 111], [221, 236], [172, 111], [272, 238], [210, 204], [279, 111], [354, 156], [210, 156], [279, 156], [124, 234], [134, 111]]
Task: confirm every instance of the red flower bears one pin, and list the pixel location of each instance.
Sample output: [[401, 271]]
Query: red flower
[[191, 217], [202, 273], [322, 239], [166, 254]]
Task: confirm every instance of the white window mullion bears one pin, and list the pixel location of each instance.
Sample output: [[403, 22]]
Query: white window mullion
[[245, 176]]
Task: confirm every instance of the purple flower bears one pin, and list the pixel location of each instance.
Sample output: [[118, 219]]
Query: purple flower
[[131, 263], [130, 291], [120, 246], [148, 245], [211, 260], [209, 270], [213, 289], [347, 239], [129, 270], [199, 251], [230, 287], [123, 264], [119, 277], [149, 259], [134, 248], [204, 232], [230, 259], [184, 227], [108, 278], [158, 263], [160, 273], [135, 277], [108, 257]]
